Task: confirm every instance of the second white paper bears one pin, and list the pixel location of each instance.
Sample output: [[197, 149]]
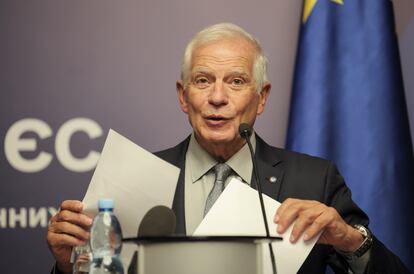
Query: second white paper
[[237, 212]]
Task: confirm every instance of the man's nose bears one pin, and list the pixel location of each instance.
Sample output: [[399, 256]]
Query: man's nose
[[218, 94]]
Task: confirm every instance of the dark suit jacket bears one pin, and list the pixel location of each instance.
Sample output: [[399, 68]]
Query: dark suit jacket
[[303, 177]]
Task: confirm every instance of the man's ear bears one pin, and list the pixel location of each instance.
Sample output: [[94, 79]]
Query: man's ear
[[264, 94], [179, 86]]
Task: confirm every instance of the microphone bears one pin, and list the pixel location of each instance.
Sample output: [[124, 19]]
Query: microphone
[[245, 132], [158, 221]]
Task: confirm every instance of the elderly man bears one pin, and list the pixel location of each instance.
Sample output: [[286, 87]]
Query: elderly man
[[223, 84]]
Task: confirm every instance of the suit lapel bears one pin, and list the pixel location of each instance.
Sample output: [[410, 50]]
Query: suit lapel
[[176, 156], [270, 166]]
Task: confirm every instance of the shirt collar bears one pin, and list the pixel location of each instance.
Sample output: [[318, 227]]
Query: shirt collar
[[201, 162]]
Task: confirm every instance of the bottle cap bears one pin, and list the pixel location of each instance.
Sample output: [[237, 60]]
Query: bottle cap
[[106, 203]]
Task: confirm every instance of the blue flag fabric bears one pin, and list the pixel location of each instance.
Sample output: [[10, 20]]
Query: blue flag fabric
[[348, 106]]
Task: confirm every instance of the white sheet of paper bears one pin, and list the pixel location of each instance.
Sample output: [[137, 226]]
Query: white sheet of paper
[[134, 178], [237, 212]]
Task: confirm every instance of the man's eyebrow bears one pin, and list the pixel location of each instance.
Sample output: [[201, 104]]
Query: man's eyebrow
[[232, 73], [200, 70], [238, 74]]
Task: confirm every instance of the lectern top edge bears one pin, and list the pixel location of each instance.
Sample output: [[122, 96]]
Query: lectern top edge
[[179, 238]]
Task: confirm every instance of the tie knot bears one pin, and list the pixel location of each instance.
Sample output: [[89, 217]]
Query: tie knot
[[222, 171]]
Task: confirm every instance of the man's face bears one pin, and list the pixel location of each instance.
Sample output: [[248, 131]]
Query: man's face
[[221, 93]]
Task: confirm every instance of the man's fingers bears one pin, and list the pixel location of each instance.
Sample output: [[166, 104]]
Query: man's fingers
[[69, 226], [286, 204], [74, 218], [69, 229], [310, 218], [72, 205], [304, 220], [62, 239], [286, 219], [321, 223], [290, 210]]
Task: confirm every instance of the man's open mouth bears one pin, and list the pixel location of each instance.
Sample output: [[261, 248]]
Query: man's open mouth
[[216, 118]]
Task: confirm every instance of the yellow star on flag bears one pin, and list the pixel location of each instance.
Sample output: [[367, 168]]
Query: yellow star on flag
[[310, 4]]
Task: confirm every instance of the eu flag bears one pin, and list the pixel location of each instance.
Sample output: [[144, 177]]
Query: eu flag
[[348, 106]]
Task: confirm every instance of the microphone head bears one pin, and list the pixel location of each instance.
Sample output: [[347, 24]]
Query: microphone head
[[158, 221], [245, 130]]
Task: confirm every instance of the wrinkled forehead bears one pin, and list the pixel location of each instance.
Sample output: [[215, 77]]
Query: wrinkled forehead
[[236, 53]]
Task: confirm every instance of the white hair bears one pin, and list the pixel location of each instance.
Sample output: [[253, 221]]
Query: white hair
[[219, 32]]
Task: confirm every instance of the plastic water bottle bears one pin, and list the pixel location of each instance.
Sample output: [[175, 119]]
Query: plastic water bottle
[[106, 241]]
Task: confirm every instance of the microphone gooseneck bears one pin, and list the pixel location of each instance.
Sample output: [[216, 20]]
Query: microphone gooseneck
[[245, 132]]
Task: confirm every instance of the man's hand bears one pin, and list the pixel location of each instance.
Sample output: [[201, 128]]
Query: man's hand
[[311, 218], [68, 228]]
